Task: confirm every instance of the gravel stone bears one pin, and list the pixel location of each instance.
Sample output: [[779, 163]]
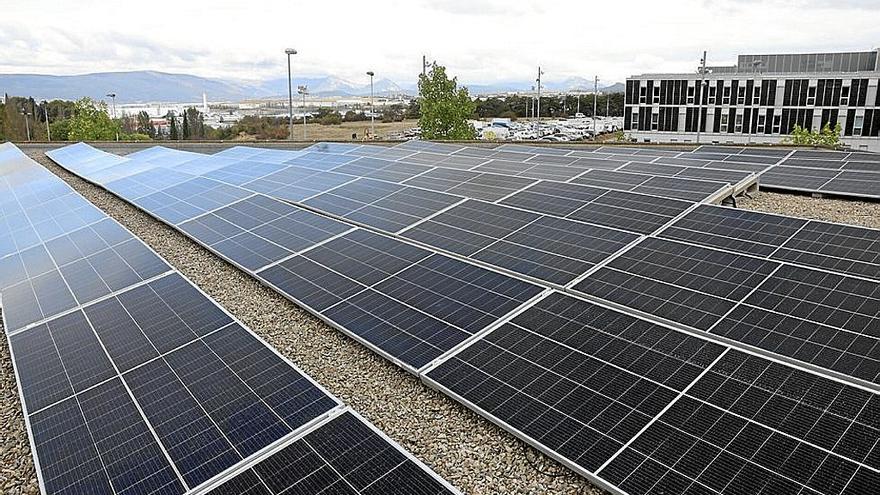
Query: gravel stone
[[863, 213]]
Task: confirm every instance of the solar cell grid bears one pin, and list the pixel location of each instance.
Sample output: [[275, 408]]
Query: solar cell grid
[[345, 455], [835, 247], [686, 284], [754, 425], [578, 379]]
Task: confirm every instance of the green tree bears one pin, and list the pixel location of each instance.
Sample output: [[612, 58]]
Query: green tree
[[185, 125], [144, 125], [172, 126], [445, 108], [827, 137], [196, 122], [91, 122]]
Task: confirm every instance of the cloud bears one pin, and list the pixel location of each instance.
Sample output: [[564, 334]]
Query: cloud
[[480, 41]]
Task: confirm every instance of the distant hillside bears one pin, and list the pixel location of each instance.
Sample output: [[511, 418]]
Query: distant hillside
[[139, 86], [151, 86]]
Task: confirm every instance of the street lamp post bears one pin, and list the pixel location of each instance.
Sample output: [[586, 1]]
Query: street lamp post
[[113, 99], [595, 103], [27, 124], [48, 134], [303, 90], [703, 89], [289, 52], [538, 108], [372, 110]]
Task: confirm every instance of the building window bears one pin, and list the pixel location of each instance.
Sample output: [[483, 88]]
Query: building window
[[857, 125], [844, 96], [642, 91], [761, 120], [723, 122], [741, 95], [655, 119], [656, 90], [777, 123], [811, 96], [757, 95], [712, 95], [738, 128], [725, 98], [690, 97]]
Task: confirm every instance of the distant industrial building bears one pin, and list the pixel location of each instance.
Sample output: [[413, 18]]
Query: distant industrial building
[[760, 100]]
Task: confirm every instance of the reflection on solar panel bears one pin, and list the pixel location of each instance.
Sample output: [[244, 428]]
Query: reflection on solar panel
[[551, 249], [840, 248], [142, 384], [670, 379]]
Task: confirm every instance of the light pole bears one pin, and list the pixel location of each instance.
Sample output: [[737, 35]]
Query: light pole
[[703, 88], [595, 103], [48, 134], [113, 99], [303, 90], [538, 82], [27, 124], [372, 110], [289, 52]]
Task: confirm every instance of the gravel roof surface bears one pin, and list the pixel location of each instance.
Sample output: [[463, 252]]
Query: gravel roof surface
[[470, 452]]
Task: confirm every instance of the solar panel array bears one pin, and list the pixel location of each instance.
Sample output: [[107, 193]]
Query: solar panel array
[[134, 381], [652, 344]]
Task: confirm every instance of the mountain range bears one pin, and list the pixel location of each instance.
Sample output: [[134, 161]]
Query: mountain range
[[153, 86]]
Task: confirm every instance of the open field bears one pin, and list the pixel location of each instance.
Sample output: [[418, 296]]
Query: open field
[[343, 132]]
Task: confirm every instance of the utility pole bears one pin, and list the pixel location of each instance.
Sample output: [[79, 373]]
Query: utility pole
[[372, 110], [113, 99], [289, 52], [702, 92], [303, 90], [539, 100], [579, 103], [608, 105], [595, 103], [27, 124], [48, 134]]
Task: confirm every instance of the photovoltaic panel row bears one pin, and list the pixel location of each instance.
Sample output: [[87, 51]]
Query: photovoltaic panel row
[[860, 476], [836, 247], [403, 301], [822, 180], [158, 389], [643, 409], [546, 248], [633, 212], [692, 183], [553, 250], [815, 317], [829, 172]]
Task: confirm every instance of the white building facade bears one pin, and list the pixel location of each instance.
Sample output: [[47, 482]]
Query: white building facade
[[760, 100]]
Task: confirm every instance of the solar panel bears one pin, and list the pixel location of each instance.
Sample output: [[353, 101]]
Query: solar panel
[[836, 247], [403, 301], [550, 249], [488, 187], [383, 205], [331, 459]]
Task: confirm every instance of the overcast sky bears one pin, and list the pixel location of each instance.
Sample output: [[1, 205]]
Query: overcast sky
[[480, 41]]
